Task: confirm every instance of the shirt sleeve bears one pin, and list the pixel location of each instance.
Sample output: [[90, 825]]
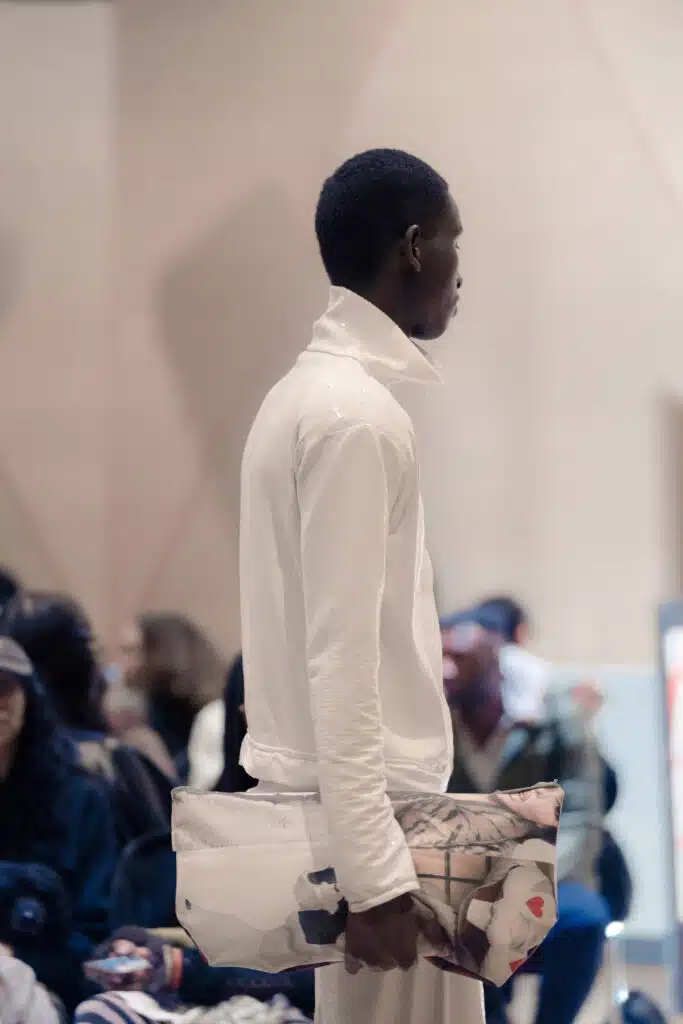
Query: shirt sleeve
[[346, 485]]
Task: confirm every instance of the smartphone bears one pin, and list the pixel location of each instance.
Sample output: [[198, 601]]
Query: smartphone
[[118, 966]]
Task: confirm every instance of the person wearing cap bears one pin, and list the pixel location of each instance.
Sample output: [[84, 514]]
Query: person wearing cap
[[57, 846]]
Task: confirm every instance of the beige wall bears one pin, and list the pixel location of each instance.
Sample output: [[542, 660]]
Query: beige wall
[[558, 124], [56, 120]]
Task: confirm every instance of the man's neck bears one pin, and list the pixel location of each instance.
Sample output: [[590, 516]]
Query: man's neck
[[384, 297]]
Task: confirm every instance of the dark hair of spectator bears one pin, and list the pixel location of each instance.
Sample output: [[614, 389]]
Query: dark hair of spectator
[[504, 615], [180, 659], [9, 586], [233, 778], [32, 808], [55, 633]]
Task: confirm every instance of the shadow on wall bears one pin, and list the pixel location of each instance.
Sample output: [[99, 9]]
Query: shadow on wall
[[233, 317], [22, 544], [9, 275], [228, 125]]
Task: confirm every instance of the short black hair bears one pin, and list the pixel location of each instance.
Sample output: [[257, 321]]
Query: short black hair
[[367, 205], [506, 613], [9, 586]]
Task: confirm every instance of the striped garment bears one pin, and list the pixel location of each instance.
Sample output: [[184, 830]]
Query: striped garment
[[116, 1008]]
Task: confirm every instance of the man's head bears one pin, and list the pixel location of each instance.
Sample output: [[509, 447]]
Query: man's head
[[388, 230], [470, 664], [507, 617]]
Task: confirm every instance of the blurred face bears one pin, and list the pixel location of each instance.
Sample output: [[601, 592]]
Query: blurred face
[[434, 260], [12, 709], [470, 659], [132, 654]]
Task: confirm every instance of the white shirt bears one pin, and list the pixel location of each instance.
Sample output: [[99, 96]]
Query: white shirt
[[526, 681], [205, 748], [341, 640]]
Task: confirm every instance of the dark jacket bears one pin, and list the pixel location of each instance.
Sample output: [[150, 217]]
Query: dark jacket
[[140, 792], [559, 748], [233, 778], [85, 859], [144, 895]]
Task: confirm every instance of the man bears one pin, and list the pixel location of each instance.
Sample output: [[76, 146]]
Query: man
[[341, 647], [526, 677], [493, 751]]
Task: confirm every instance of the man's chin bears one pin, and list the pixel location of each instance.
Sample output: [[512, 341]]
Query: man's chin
[[432, 333]]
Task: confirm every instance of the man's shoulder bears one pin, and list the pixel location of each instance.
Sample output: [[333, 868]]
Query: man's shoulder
[[348, 400]]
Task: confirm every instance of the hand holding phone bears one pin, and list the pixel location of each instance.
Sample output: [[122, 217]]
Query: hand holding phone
[[127, 968]]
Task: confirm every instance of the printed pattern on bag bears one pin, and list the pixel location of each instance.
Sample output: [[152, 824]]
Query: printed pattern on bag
[[486, 867]]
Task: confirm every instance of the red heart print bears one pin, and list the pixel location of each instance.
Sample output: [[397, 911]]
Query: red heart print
[[536, 905], [515, 965]]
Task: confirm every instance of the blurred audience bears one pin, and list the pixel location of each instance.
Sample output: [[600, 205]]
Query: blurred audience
[[144, 902], [58, 638], [178, 976], [526, 677], [57, 845], [234, 779], [496, 750], [72, 796], [23, 999], [170, 660], [216, 739]]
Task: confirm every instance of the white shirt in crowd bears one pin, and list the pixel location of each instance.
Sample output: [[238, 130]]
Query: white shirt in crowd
[[526, 681], [205, 748], [341, 640]]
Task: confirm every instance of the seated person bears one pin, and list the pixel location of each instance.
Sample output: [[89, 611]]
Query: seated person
[[58, 638], [145, 886], [178, 977], [493, 751], [216, 739], [526, 677], [57, 846], [171, 662], [22, 998]]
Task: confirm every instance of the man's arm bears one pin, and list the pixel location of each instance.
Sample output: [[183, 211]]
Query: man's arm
[[347, 481]]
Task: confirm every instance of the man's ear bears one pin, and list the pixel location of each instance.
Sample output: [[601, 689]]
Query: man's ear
[[411, 248]]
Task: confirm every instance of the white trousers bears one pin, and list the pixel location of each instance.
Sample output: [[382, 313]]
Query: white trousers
[[424, 995]]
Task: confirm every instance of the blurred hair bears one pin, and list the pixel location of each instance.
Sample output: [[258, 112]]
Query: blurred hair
[[57, 636], [233, 778], [502, 615], [33, 811], [180, 659], [9, 586], [367, 206]]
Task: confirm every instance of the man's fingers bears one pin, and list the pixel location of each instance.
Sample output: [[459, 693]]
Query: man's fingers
[[352, 965], [123, 947], [405, 944], [434, 934]]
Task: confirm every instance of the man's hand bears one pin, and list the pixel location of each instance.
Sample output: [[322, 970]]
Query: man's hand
[[383, 938]]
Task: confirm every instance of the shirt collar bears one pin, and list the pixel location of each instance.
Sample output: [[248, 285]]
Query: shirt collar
[[354, 328]]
